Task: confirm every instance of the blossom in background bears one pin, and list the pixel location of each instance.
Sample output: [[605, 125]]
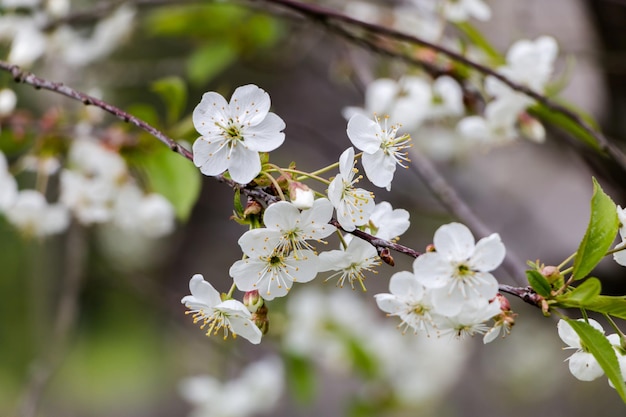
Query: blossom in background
[[287, 228], [382, 150], [150, 215], [462, 10], [409, 301], [270, 271], [459, 269], [354, 205], [350, 264], [8, 185], [233, 134], [620, 256], [35, 217], [405, 101], [582, 364], [208, 308], [256, 390]]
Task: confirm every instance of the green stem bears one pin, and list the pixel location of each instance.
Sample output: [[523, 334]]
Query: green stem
[[229, 295], [615, 250], [303, 175], [566, 261], [275, 183], [329, 167]]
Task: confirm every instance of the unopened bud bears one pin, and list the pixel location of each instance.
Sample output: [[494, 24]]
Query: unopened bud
[[531, 128], [431, 248], [261, 320], [385, 255], [505, 305], [552, 274], [253, 301], [252, 207], [301, 195]]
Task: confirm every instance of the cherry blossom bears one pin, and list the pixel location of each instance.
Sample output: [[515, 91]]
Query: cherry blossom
[[461, 10], [270, 271], [233, 134], [208, 309], [382, 150], [354, 205], [459, 269], [287, 228], [408, 300], [35, 217], [350, 264]]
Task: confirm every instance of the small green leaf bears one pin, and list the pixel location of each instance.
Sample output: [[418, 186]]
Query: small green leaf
[[176, 178], [173, 92], [600, 234], [209, 61], [361, 358], [539, 283], [558, 119], [586, 291], [598, 345], [301, 378], [477, 38]]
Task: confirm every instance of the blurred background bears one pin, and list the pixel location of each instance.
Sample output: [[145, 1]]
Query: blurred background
[[91, 322]]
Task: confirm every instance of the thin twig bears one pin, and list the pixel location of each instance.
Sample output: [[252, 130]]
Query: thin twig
[[326, 15], [21, 76]]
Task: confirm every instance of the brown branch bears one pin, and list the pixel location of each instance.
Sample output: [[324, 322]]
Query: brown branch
[[21, 76], [527, 294], [325, 16]]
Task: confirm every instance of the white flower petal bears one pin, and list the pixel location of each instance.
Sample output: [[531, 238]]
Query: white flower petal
[[454, 241], [249, 104], [244, 165], [364, 133], [488, 254]]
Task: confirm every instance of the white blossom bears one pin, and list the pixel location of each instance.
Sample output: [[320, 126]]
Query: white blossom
[[354, 205], [582, 364], [350, 264], [208, 309], [461, 10], [386, 222], [405, 101], [288, 229], [8, 100], [233, 134], [409, 301], [382, 150], [257, 390], [271, 271], [8, 185], [35, 217], [469, 320], [459, 269]]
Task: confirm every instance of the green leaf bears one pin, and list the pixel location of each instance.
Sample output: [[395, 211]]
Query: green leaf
[[176, 178], [598, 345], [539, 283], [558, 119], [600, 234], [362, 360], [301, 377], [613, 306], [586, 291], [477, 38], [207, 62], [173, 92]]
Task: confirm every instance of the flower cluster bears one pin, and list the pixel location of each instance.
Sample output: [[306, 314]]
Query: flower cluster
[[451, 290], [96, 187], [24, 24], [256, 390]]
